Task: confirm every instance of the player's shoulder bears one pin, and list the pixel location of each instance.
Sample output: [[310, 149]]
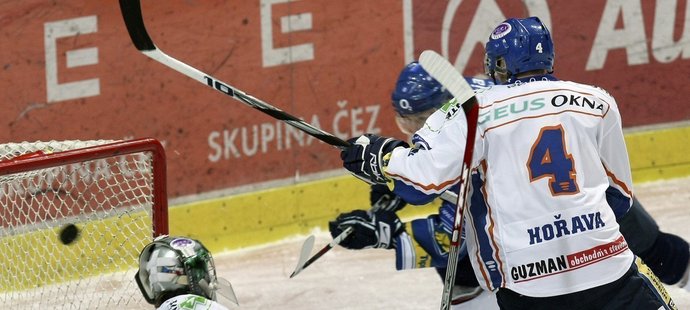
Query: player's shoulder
[[553, 87], [589, 88], [448, 118], [601, 95], [190, 302]]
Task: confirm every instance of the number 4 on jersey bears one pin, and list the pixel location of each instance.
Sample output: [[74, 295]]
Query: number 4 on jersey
[[549, 159]]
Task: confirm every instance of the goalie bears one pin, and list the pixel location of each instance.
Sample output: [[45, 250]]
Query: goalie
[[178, 273]]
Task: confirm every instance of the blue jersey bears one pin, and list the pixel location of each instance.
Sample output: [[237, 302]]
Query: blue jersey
[[426, 243]]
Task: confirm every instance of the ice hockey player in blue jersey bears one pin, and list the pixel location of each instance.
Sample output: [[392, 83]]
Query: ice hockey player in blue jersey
[[423, 243], [177, 273]]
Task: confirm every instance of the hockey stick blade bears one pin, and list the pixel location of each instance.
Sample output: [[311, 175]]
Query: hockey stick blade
[[132, 15], [321, 252], [446, 74], [304, 255]]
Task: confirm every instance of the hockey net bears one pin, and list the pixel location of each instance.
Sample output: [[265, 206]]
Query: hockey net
[[113, 191]]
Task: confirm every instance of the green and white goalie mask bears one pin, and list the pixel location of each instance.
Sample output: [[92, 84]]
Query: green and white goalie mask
[[171, 266]]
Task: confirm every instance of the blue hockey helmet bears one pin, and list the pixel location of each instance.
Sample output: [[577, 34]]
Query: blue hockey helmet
[[519, 45], [416, 91]]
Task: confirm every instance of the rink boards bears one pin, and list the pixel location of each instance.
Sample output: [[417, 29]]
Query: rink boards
[[259, 217], [265, 216]]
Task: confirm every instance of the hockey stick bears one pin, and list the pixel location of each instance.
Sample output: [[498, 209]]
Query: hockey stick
[[132, 15], [309, 244], [131, 12], [446, 74]]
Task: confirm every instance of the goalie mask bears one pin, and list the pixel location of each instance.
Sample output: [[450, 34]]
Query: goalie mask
[[171, 266]]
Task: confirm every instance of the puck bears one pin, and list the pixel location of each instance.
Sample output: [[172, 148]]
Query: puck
[[68, 234]]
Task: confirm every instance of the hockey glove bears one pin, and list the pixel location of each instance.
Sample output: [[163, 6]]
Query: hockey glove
[[371, 229], [364, 156], [381, 198]]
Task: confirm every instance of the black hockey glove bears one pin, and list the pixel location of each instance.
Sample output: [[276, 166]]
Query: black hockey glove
[[365, 154], [381, 198], [371, 229]]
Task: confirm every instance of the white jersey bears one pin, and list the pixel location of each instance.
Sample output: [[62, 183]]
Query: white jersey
[[550, 176], [190, 302]]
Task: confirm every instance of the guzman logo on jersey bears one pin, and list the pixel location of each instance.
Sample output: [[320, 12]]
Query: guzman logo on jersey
[[567, 262], [539, 268], [562, 227]]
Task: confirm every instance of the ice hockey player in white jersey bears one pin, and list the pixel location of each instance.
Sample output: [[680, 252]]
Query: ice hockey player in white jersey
[[177, 273], [551, 177], [415, 97]]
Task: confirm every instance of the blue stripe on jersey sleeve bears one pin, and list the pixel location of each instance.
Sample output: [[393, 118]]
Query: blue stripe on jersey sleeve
[[410, 194], [480, 213]]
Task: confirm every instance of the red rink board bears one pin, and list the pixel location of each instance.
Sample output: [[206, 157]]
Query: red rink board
[[334, 66]]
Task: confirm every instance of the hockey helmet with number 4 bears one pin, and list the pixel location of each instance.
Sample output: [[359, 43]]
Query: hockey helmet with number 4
[[519, 45], [171, 266], [416, 91]]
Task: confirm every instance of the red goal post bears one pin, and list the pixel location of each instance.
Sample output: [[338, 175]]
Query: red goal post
[[113, 191]]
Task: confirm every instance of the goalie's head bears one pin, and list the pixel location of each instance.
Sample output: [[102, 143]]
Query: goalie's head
[[171, 266], [517, 46]]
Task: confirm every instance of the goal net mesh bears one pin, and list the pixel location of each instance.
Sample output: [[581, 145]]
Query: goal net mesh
[[112, 192]]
